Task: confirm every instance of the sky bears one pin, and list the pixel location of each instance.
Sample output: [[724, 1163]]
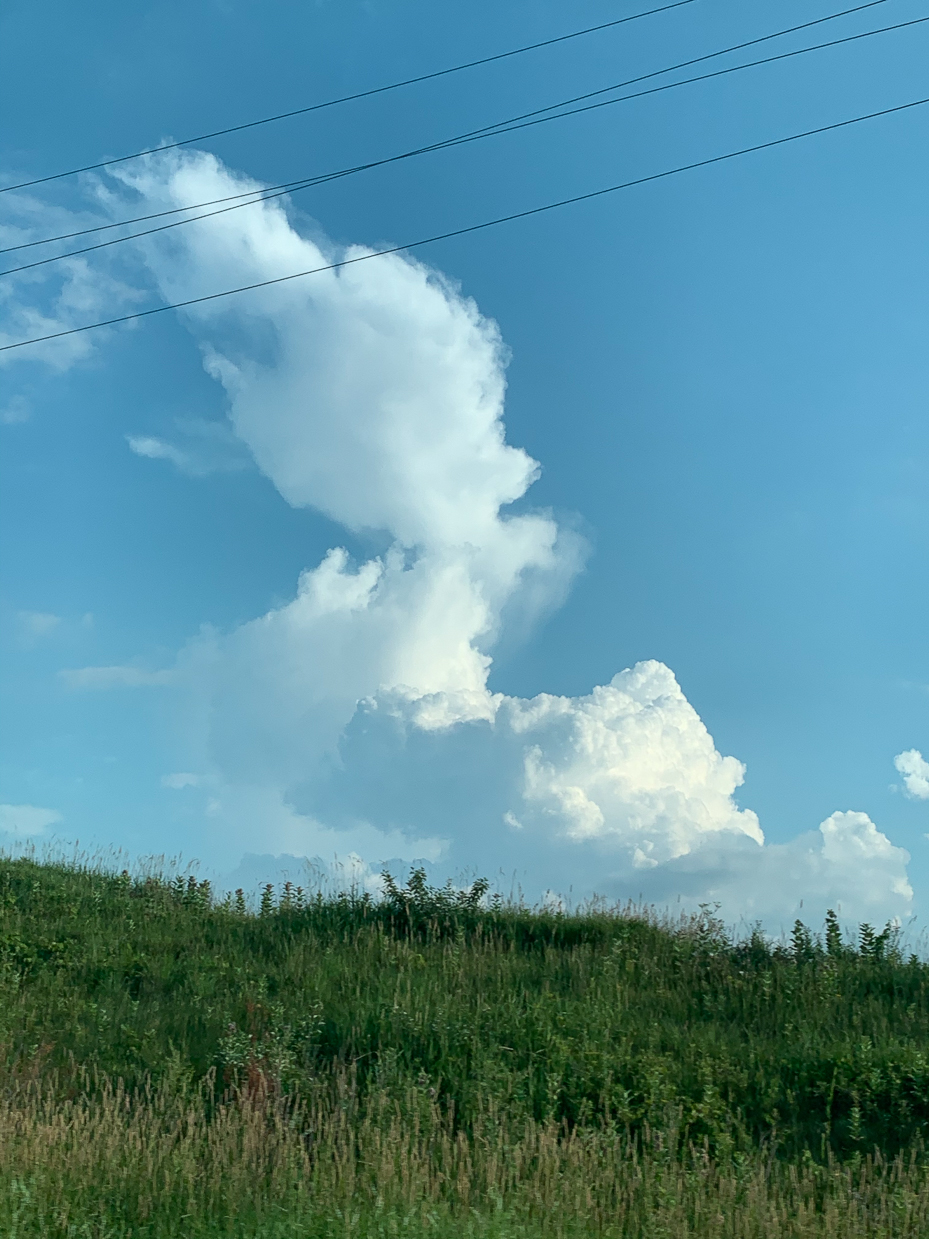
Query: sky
[[587, 551]]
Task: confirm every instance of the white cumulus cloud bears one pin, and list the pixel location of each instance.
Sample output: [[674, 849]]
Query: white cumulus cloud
[[375, 395], [915, 771], [632, 762], [847, 865], [357, 718]]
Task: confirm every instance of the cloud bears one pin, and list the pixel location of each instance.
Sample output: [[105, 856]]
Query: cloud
[[622, 793], [847, 865], [628, 775], [37, 624], [115, 677], [26, 819], [56, 297], [180, 780], [155, 449], [915, 771], [208, 447], [374, 395], [357, 718], [16, 411], [347, 872], [633, 762]]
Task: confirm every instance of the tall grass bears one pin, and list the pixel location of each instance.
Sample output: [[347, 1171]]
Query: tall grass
[[432, 1063], [170, 1162]]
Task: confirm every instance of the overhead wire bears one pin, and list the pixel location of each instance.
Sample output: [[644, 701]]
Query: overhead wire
[[512, 124], [289, 185], [459, 232], [362, 94]]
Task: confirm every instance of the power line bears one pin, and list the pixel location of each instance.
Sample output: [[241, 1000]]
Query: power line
[[363, 94], [308, 181], [500, 127], [459, 232]]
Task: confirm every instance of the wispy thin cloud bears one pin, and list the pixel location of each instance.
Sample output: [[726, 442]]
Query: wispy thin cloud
[[54, 298], [36, 624], [180, 780], [96, 678], [155, 449], [204, 447], [16, 411], [26, 819]]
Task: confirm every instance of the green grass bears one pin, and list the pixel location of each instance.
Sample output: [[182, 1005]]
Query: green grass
[[432, 1063]]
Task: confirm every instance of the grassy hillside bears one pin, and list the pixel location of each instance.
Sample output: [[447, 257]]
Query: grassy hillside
[[177, 1065]]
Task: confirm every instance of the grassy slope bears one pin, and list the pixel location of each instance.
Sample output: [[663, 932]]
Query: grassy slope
[[583, 1072]]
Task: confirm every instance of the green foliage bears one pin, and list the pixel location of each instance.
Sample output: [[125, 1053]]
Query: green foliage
[[460, 1015], [430, 913]]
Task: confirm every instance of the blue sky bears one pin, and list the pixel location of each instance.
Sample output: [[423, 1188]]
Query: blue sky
[[723, 377]]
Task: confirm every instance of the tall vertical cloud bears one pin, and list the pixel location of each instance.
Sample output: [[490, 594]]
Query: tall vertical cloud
[[373, 394], [357, 717]]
